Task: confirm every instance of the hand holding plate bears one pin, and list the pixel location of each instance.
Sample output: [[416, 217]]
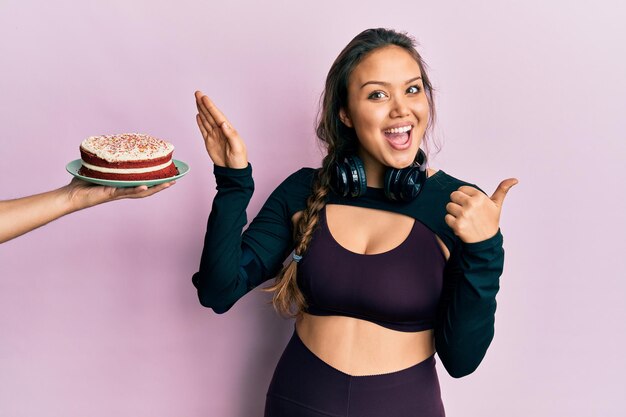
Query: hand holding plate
[[82, 194]]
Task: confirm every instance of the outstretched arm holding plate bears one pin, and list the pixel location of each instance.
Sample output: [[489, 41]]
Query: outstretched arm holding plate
[[22, 215]]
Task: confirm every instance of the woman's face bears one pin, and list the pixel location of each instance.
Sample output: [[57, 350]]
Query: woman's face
[[388, 109]]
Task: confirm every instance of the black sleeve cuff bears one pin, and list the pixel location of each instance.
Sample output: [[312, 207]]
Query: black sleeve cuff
[[490, 243], [232, 172], [227, 178]]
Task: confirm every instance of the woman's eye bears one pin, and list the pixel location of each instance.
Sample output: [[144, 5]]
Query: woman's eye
[[414, 89], [377, 95]]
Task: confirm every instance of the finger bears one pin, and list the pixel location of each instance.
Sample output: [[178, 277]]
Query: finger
[[157, 188], [214, 112], [198, 108], [469, 190], [141, 191], [203, 109], [198, 95], [235, 143], [502, 190], [459, 197], [129, 192], [201, 125], [450, 220], [454, 209]]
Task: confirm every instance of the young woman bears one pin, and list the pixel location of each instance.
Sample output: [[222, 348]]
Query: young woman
[[391, 261]]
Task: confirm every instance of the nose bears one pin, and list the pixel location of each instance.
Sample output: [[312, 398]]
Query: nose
[[399, 107]]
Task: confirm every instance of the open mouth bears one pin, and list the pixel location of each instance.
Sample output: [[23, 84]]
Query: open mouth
[[399, 138]]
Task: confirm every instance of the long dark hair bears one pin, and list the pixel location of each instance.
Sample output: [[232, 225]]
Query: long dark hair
[[339, 140]]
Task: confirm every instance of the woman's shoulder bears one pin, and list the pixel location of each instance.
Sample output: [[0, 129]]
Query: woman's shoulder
[[439, 180], [294, 190], [302, 179], [303, 175]]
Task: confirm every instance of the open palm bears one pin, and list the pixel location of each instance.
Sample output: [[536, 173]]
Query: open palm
[[223, 143]]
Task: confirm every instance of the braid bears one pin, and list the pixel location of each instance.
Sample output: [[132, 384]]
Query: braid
[[288, 300]]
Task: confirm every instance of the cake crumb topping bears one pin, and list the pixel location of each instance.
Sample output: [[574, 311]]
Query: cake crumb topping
[[127, 147]]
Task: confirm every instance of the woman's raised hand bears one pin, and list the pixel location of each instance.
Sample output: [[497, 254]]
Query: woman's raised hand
[[474, 216], [223, 143]]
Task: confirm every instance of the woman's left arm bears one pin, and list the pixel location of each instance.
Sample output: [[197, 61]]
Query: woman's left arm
[[465, 324]]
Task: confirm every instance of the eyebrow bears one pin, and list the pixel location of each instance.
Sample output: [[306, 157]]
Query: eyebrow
[[387, 84]]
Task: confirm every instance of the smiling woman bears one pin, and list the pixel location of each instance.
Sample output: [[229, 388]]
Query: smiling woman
[[391, 261]]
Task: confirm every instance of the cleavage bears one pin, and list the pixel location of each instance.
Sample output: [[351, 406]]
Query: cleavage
[[367, 231]]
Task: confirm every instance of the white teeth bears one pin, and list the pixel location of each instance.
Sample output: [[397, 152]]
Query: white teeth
[[399, 129]]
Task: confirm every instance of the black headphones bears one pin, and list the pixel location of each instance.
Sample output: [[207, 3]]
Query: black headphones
[[400, 184]]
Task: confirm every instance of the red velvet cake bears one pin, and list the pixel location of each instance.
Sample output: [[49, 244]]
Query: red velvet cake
[[127, 157]]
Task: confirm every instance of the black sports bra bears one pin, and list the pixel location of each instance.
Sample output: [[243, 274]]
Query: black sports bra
[[398, 289]]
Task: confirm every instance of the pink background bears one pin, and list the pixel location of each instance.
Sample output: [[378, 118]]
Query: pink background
[[98, 315]]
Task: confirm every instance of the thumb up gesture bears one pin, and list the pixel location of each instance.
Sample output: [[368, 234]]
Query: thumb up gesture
[[472, 215]]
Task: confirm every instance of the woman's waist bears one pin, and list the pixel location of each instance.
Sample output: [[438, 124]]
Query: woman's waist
[[360, 347]]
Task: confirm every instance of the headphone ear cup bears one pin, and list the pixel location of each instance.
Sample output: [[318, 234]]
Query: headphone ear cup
[[340, 178], [405, 184], [391, 181], [348, 177], [357, 179], [411, 183]]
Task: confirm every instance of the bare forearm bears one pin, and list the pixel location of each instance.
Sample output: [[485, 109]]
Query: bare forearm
[[25, 214]]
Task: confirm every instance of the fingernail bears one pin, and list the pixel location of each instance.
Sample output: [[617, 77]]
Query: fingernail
[[226, 126]]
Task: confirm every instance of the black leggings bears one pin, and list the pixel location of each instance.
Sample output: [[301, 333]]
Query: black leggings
[[305, 386]]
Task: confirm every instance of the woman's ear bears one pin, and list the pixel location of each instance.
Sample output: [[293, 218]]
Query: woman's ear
[[345, 119]]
